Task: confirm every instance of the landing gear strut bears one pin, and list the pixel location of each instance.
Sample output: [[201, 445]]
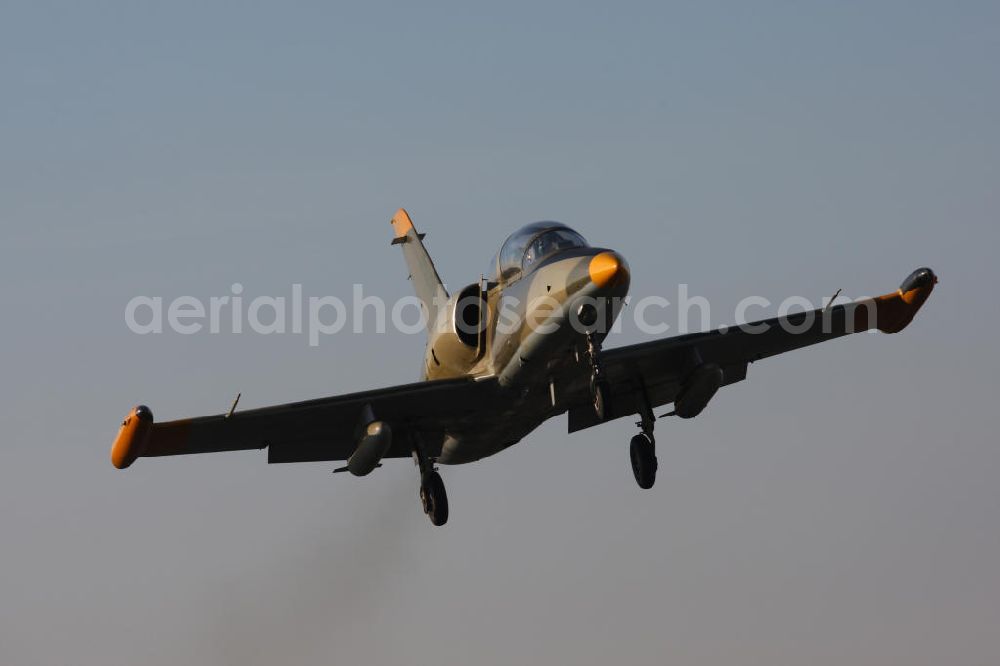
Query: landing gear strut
[[642, 450], [600, 391], [433, 497], [599, 397]]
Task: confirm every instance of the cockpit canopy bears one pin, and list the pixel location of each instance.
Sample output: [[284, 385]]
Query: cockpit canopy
[[531, 244]]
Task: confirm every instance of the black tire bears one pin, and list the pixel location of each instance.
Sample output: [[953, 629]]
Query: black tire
[[434, 498], [642, 451], [599, 393]]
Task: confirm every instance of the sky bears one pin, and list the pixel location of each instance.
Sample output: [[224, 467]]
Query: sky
[[839, 506]]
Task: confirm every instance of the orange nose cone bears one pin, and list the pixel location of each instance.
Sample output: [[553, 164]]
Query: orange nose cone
[[604, 268]]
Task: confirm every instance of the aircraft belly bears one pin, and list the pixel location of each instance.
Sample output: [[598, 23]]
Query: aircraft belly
[[465, 450], [488, 439]]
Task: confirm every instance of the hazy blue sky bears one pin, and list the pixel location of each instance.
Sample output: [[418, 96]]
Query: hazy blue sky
[[841, 506]]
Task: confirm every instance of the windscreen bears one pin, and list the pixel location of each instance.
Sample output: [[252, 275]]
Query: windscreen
[[530, 245]]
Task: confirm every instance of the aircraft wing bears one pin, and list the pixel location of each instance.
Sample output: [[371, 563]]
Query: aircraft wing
[[321, 429], [658, 372]]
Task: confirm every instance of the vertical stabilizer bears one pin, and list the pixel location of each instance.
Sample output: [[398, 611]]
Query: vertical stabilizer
[[426, 282]]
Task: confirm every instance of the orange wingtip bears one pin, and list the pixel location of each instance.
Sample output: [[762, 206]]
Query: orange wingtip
[[132, 437], [401, 223], [895, 311]]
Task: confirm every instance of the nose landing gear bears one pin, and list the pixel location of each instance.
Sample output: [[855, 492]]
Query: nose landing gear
[[599, 397], [600, 392]]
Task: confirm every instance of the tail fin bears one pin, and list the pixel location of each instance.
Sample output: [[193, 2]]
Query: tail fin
[[426, 281]]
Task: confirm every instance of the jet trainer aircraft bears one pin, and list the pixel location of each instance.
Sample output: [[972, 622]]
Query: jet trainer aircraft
[[507, 353]]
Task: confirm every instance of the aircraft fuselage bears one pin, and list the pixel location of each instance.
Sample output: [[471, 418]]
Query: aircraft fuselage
[[536, 331]]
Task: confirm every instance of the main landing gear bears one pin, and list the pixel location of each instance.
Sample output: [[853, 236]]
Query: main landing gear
[[642, 452], [433, 497], [642, 449]]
